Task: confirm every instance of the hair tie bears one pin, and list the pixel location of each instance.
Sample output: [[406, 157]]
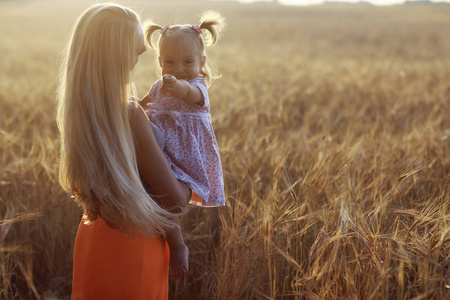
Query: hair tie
[[164, 29], [196, 28]]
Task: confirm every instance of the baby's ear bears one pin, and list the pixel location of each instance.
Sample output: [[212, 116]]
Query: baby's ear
[[160, 62], [204, 58]]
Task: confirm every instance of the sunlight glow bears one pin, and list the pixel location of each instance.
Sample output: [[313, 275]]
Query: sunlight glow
[[318, 2]]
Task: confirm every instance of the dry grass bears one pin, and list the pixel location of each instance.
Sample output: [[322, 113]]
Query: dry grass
[[334, 129]]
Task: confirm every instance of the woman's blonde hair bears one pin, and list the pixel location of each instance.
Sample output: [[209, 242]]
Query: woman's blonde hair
[[211, 21], [98, 160]]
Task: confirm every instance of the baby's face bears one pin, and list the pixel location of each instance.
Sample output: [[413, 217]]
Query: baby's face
[[184, 61]]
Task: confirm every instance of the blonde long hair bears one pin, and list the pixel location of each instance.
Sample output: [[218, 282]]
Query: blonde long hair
[[212, 21], [98, 160]]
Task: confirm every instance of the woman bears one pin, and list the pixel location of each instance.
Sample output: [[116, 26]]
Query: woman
[[106, 147]]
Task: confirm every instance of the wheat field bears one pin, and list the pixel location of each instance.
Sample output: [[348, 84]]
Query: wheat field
[[333, 124]]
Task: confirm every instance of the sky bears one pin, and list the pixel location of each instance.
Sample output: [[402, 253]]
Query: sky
[[312, 2]]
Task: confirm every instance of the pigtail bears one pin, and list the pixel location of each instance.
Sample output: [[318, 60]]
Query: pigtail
[[214, 23], [149, 29]]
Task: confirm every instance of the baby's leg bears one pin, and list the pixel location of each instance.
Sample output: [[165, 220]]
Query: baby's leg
[[179, 253]]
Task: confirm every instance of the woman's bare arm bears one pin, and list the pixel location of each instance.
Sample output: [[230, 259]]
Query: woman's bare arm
[[153, 166]]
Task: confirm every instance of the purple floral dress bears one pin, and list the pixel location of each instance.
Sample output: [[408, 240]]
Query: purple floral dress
[[190, 144]]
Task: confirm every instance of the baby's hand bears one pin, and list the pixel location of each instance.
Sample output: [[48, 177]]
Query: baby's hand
[[145, 101], [169, 84]]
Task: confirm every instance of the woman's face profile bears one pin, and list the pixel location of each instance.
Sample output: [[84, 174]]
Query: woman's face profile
[[141, 48]]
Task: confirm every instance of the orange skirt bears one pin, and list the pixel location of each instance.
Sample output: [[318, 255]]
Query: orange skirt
[[108, 264]]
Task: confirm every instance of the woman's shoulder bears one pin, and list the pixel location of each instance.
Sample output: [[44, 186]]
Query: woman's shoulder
[[135, 112], [139, 123]]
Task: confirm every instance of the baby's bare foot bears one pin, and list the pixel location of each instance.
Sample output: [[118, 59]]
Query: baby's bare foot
[[179, 265]]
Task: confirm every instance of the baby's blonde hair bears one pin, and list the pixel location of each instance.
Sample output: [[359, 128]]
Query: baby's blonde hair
[[211, 21], [98, 160]]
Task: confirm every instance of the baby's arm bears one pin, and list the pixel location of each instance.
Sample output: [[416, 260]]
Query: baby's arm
[[182, 89]]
